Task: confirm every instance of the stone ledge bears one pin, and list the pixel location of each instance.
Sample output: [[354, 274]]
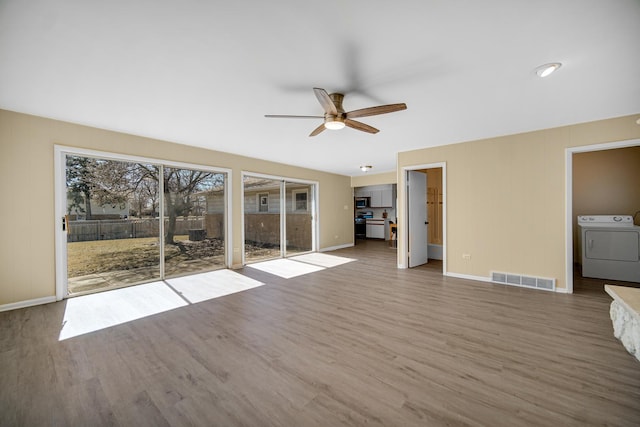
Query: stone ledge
[[625, 315]]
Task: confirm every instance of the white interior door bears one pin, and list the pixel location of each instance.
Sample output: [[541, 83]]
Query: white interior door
[[417, 209]]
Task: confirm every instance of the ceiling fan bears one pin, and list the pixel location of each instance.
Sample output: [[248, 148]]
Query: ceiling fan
[[336, 118]]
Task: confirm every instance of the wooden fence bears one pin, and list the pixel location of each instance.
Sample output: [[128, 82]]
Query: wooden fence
[[84, 231], [262, 228]]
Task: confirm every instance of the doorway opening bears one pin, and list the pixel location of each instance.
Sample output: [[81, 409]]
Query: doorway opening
[[423, 201], [600, 181]]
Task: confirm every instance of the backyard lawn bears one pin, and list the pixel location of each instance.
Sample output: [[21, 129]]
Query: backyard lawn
[[108, 264], [101, 256]]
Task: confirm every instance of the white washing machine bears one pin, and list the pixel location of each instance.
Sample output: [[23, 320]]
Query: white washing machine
[[610, 247]]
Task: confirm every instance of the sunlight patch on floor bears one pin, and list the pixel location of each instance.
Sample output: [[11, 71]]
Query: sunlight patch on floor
[[285, 268], [90, 313], [322, 260], [214, 284], [93, 312]]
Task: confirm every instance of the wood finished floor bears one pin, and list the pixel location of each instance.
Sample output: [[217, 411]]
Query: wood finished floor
[[358, 344]]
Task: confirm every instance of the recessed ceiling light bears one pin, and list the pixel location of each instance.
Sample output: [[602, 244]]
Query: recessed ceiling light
[[365, 168], [638, 121], [547, 69]]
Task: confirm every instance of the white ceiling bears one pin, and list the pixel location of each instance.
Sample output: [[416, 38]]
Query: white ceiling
[[204, 73]]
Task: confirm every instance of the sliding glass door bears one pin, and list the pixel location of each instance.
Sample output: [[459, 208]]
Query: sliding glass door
[[112, 224], [278, 217], [261, 218], [128, 222], [194, 221], [299, 217]]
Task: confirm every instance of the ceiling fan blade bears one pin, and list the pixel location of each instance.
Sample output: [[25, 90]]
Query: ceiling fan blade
[[317, 130], [373, 111], [360, 126], [285, 116], [325, 101]]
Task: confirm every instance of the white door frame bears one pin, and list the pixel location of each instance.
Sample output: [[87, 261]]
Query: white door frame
[[60, 200], [568, 242], [403, 235]]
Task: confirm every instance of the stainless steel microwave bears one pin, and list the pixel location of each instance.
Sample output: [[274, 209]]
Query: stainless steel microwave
[[362, 202]]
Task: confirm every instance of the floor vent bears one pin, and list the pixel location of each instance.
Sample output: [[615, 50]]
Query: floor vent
[[525, 281]]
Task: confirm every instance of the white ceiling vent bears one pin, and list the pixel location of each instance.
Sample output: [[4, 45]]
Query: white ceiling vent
[[524, 281]]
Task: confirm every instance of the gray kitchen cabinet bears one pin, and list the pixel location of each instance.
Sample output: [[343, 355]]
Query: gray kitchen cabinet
[[387, 198], [380, 196], [375, 228], [376, 199], [362, 192]]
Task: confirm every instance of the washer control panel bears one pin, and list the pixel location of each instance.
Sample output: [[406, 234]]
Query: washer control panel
[[605, 219]]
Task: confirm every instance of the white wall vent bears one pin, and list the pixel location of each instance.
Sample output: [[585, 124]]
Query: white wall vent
[[524, 281]]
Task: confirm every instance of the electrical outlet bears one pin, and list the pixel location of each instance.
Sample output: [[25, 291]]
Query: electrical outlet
[[466, 256]]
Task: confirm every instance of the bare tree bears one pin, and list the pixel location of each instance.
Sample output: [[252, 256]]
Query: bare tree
[[114, 182], [146, 198], [149, 191], [180, 188], [79, 173], [117, 183]]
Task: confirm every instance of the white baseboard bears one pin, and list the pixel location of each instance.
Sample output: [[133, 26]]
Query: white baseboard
[[468, 277], [27, 303], [333, 248]]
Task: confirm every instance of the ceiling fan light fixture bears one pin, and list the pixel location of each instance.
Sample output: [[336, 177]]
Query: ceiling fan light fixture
[[365, 168], [336, 118], [334, 123], [547, 69]]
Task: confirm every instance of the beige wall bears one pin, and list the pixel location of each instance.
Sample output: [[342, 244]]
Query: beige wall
[[373, 179], [506, 197], [27, 188], [606, 182]]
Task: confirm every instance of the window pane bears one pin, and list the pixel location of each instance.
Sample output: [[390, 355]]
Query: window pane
[[299, 218], [261, 219], [112, 224], [194, 221]]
